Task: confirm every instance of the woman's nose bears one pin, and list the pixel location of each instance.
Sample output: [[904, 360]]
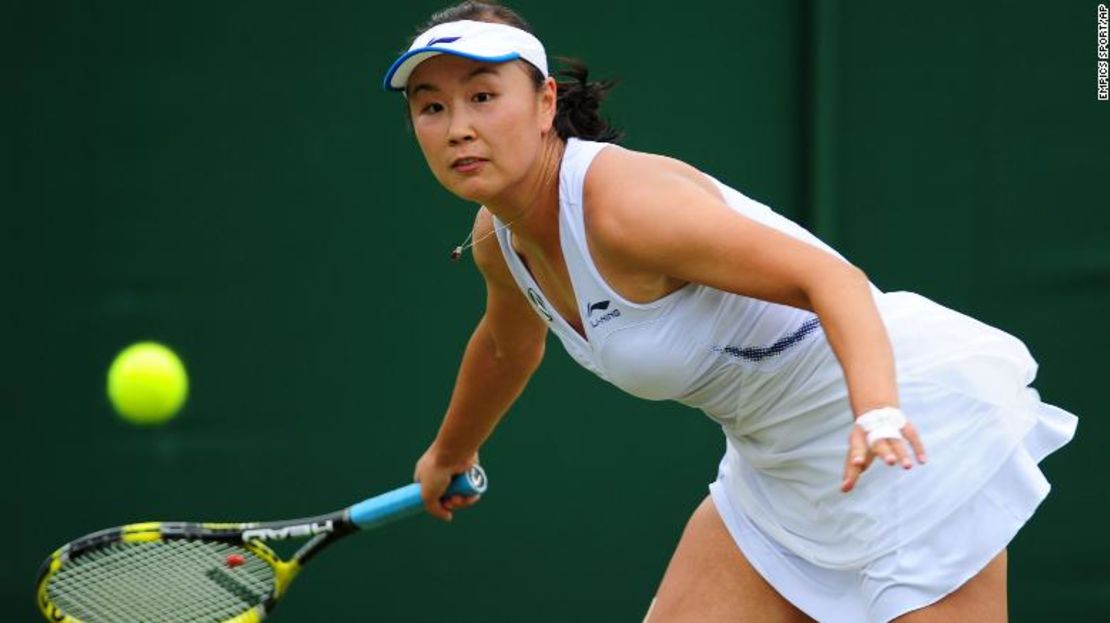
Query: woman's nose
[[461, 137], [460, 131]]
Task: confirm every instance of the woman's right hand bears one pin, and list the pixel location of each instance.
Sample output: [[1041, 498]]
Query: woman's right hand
[[434, 477]]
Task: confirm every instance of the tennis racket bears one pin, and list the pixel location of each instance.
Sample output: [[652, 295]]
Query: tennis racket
[[170, 572]]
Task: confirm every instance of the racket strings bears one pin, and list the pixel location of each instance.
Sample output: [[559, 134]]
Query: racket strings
[[173, 581]]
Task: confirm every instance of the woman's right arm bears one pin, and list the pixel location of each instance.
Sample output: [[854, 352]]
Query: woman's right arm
[[504, 350]]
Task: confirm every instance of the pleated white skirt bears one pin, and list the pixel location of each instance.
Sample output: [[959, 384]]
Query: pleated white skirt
[[922, 571], [964, 386]]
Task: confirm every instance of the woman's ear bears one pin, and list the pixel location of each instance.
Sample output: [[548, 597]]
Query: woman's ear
[[549, 96]]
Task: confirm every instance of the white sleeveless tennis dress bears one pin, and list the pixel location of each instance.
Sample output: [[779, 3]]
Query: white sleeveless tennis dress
[[765, 373]]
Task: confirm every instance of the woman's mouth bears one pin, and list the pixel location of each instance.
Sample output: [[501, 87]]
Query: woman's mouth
[[467, 165]]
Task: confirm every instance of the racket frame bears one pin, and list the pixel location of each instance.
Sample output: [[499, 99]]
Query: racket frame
[[322, 531]]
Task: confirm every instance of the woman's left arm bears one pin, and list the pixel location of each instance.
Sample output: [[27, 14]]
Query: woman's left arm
[[647, 215]]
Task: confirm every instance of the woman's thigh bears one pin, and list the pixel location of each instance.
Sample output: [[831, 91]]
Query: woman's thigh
[[709, 580], [980, 599]]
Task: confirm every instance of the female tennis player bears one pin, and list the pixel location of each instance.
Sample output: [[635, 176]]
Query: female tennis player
[[671, 285]]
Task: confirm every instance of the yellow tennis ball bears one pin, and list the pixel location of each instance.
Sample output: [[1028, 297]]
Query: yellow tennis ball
[[147, 384]]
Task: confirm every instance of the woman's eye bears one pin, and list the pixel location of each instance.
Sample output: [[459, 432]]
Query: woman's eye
[[431, 108], [483, 97]]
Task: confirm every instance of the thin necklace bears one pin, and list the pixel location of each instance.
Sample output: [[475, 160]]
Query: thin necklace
[[457, 252]]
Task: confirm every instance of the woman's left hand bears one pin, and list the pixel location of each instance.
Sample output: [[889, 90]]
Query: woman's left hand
[[886, 445]]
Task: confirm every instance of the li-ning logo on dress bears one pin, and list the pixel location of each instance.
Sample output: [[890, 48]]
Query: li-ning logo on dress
[[592, 307], [602, 319], [436, 40]]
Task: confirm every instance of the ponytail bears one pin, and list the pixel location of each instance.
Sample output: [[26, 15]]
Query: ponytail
[[577, 105]]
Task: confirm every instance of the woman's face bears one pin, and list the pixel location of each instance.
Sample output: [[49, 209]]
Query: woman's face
[[480, 125]]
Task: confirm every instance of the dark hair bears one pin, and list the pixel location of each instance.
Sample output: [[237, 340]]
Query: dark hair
[[577, 101]]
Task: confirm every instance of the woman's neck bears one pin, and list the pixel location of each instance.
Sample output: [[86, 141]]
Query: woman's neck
[[531, 208]]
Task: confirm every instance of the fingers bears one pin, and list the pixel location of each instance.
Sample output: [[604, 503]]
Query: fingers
[[454, 502], [443, 510], [432, 503], [910, 433], [857, 461], [892, 452], [460, 501]]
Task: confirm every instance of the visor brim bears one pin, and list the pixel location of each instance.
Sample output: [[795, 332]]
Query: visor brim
[[397, 77]]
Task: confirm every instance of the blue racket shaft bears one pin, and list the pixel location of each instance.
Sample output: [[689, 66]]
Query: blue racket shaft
[[406, 501]]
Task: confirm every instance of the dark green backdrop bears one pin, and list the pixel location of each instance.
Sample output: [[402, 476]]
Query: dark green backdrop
[[228, 177]]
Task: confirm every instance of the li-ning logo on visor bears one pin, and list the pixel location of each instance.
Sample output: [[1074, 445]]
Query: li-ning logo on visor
[[443, 40]]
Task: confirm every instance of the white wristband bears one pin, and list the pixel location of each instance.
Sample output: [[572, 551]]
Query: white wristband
[[884, 423]]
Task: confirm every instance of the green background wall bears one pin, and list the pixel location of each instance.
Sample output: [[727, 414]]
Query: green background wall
[[227, 177]]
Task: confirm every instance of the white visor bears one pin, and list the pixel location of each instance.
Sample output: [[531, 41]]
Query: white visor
[[480, 41]]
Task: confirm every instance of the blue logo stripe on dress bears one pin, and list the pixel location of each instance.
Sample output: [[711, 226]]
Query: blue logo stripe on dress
[[759, 353]]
